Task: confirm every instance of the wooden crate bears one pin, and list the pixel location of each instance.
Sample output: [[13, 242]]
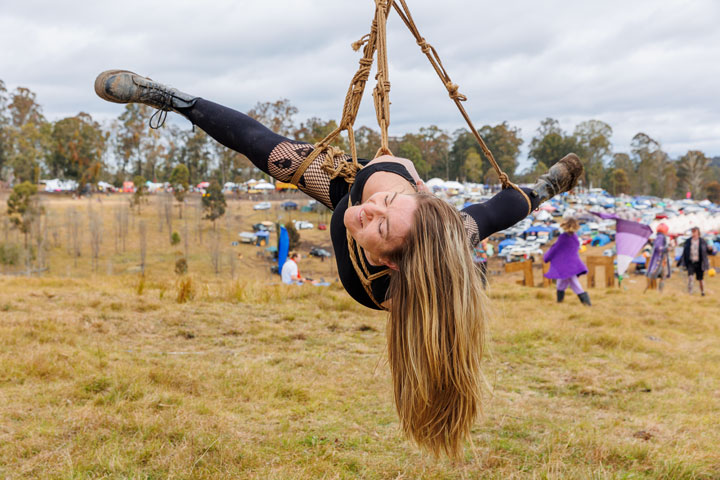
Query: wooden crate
[[607, 263]]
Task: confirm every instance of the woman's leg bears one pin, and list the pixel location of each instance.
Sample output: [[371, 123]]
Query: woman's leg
[[579, 291], [562, 284], [274, 154], [575, 285]]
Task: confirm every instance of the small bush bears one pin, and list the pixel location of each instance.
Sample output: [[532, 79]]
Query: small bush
[[181, 266], [174, 238], [140, 286], [9, 254], [186, 290]]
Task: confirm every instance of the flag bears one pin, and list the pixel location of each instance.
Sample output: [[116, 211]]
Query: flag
[[630, 237]]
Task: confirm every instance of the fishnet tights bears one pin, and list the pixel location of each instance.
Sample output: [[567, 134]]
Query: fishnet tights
[[287, 156]]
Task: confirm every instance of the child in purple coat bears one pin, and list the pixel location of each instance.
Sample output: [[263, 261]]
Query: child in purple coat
[[565, 263]]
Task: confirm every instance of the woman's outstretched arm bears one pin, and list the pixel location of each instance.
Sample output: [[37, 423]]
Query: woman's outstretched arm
[[500, 212]]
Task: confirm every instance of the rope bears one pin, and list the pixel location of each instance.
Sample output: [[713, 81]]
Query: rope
[[376, 41], [453, 91], [361, 268], [355, 93]]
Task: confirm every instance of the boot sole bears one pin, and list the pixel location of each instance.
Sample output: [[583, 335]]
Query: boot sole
[[574, 167], [101, 85]]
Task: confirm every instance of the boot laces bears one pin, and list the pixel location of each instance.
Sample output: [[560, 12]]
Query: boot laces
[[161, 97], [158, 118]]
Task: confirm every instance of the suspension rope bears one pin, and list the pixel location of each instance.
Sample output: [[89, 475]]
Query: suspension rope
[[455, 95], [376, 41]]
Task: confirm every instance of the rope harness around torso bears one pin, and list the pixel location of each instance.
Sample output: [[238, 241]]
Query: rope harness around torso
[[376, 41]]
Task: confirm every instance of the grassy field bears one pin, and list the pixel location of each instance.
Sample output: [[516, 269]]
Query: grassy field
[[103, 374]]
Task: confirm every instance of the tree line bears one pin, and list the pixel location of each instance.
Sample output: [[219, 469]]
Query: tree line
[[82, 149]]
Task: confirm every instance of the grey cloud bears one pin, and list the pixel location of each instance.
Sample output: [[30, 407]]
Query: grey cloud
[[640, 66]]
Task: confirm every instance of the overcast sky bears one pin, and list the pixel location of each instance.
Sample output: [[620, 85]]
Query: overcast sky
[[639, 65]]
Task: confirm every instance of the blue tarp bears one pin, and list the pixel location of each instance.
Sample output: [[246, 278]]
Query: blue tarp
[[600, 240], [505, 243], [283, 247], [538, 228]]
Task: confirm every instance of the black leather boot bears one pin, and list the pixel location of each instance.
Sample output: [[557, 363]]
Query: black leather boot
[[560, 295], [561, 177], [122, 86], [585, 299]]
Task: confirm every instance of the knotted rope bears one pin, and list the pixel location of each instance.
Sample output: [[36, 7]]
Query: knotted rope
[[376, 41], [355, 93], [455, 95]]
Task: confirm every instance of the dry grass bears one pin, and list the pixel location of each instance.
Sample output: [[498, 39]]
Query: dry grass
[[108, 376]]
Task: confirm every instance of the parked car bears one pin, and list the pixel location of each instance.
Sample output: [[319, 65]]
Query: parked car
[[303, 225], [322, 226], [262, 206], [289, 205], [319, 252], [247, 237], [259, 227]]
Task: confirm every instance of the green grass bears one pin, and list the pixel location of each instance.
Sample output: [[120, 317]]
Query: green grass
[[250, 379]]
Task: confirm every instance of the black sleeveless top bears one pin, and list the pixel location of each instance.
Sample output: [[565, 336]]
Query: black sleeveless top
[[338, 233]]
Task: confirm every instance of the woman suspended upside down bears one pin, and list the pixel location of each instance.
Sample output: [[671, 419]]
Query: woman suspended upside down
[[397, 247]]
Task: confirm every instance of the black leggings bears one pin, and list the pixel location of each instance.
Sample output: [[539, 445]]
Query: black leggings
[[279, 157]]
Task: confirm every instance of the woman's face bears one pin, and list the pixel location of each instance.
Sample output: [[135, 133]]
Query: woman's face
[[380, 224]]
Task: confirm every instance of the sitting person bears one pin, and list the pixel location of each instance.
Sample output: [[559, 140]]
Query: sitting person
[[290, 273]]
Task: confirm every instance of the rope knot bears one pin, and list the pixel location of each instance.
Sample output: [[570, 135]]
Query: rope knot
[[358, 44], [504, 180], [344, 169], [423, 45], [452, 89]]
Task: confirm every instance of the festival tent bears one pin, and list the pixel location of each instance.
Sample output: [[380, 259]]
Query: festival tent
[[506, 243], [435, 183], [264, 186], [106, 187], [538, 229], [262, 238], [600, 240], [542, 215], [57, 185]]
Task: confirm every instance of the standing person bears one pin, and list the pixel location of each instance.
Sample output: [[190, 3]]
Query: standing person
[[565, 263], [481, 253], [290, 273], [397, 247], [695, 259], [659, 264]]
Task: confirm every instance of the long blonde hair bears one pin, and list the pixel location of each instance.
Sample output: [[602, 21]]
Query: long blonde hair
[[436, 330]]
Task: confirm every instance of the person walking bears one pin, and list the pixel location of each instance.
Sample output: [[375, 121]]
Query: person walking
[[565, 263], [659, 265], [695, 258]]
